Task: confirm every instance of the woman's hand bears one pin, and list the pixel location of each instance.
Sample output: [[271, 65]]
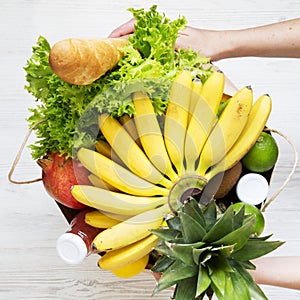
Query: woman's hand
[[123, 30], [207, 42]]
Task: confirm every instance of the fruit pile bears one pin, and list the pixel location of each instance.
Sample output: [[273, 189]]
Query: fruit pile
[[148, 178]]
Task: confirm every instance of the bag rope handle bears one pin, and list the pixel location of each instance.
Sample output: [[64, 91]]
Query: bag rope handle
[[18, 156], [273, 197]]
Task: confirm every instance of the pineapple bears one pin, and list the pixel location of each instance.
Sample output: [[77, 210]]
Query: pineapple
[[204, 252]]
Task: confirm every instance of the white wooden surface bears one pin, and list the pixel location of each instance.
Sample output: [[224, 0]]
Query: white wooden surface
[[31, 221]]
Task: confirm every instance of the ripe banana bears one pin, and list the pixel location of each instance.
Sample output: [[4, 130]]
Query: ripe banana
[[213, 88], [96, 181], [176, 119], [258, 117], [130, 231], [227, 129], [119, 258], [129, 152], [203, 118], [100, 220], [132, 269], [117, 176], [150, 135], [116, 203], [104, 148], [196, 89], [129, 124]]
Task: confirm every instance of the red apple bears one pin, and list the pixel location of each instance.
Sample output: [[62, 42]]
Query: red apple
[[59, 175]]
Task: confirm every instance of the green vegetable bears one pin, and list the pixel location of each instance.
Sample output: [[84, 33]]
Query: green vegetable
[[204, 253], [70, 111]]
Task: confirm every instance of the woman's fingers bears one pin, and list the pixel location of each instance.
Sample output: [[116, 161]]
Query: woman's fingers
[[123, 30]]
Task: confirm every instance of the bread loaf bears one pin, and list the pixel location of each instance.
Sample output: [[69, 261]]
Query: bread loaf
[[82, 61]]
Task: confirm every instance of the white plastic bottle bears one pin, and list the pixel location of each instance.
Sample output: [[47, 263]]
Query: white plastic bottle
[[76, 244]]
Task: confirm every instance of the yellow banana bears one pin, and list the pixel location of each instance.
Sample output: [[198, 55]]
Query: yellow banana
[[196, 89], [258, 117], [104, 148], [176, 119], [117, 176], [130, 231], [129, 152], [129, 124], [116, 203], [119, 258], [132, 269], [227, 130], [150, 135], [100, 220], [96, 181], [213, 89], [203, 118]]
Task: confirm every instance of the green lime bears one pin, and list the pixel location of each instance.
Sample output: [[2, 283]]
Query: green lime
[[263, 155], [249, 210]]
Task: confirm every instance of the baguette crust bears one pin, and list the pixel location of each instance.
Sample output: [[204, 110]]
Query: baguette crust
[[82, 61]]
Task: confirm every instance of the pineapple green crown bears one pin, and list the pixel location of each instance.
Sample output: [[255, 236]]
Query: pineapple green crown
[[204, 252]]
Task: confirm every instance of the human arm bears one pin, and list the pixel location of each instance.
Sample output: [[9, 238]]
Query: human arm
[[283, 271], [278, 271], [280, 39]]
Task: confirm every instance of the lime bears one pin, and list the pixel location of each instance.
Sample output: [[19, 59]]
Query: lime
[[263, 155], [132, 269], [249, 210]]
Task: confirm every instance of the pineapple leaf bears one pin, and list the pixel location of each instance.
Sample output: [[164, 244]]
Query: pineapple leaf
[[192, 208], [248, 265], [203, 281], [218, 278], [195, 245], [176, 272], [222, 227], [210, 214], [218, 293], [164, 249], [262, 238], [239, 236], [238, 218], [254, 249], [219, 262], [166, 234], [224, 250], [197, 254], [229, 289], [206, 257], [254, 289], [174, 223], [162, 264], [192, 230], [186, 289], [240, 287], [184, 253]]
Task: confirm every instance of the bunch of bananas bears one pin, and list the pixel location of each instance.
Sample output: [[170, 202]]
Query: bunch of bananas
[[144, 169]]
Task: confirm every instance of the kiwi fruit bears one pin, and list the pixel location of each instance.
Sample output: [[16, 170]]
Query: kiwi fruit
[[230, 178]]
